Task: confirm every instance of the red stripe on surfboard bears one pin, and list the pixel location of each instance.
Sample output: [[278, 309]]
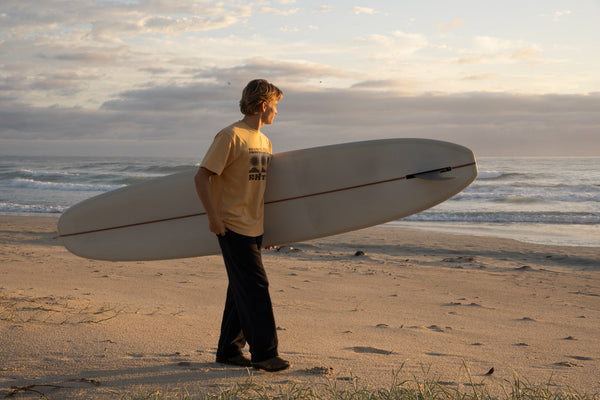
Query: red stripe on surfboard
[[155, 221], [266, 203]]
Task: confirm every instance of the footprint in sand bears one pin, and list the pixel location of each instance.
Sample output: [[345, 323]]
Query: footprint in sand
[[459, 259], [458, 303], [527, 319], [567, 364], [437, 354], [436, 328], [371, 350], [581, 358], [524, 268], [319, 371]]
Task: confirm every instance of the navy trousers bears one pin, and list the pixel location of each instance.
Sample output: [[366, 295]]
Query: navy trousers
[[248, 315]]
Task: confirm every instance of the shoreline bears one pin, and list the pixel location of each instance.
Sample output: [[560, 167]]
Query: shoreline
[[543, 234], [414, 301]]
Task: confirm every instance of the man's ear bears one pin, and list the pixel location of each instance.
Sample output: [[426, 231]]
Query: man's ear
[[263, 106]]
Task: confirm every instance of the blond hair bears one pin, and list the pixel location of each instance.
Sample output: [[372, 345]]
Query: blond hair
[[257, 92]]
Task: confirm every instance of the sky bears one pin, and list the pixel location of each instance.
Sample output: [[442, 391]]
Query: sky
[[162, 77]]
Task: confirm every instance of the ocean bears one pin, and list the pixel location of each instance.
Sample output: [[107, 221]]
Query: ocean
[[539, 200]]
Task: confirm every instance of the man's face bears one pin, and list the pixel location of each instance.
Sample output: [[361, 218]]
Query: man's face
[[269, 112]]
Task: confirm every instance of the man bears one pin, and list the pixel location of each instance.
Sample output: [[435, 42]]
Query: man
[[231, 183]]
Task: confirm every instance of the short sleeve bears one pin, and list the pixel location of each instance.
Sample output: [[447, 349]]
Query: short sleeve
[[219, 153]]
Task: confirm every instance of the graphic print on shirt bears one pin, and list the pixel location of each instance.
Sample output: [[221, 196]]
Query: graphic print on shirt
[[259, 160]]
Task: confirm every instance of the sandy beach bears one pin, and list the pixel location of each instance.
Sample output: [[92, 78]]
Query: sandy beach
[[357, 306]]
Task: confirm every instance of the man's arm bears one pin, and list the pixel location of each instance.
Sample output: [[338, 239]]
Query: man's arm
[[202, 181]]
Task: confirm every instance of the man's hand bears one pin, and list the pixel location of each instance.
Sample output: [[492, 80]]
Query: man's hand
[[217, 226]]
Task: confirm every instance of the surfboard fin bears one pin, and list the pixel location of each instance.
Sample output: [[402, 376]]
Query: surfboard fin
[[432, 175]]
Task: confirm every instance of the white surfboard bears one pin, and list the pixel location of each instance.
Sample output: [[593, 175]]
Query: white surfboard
[[311, 193]]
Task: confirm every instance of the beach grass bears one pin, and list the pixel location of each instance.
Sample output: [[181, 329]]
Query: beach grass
[[400, 389]]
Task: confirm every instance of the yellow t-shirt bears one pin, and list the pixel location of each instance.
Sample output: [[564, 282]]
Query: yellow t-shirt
[[239, 156]]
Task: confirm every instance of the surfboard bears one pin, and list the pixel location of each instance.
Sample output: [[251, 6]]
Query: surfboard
[[311, 193]]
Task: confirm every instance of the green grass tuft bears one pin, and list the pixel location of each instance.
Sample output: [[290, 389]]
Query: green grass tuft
[[399, 389]]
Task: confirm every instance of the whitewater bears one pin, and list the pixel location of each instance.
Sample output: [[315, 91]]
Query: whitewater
[[543, 200]]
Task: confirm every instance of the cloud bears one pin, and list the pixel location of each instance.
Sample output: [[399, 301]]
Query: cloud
[[291, 72], [472, 59], [526, 54], [481, 77], [185, 118], [219, 85], [121, 63], [166, 99], [66, 83], [396, 85], [166, 24], [50, 47], [326, 8], [500, 124], [557, 15], [363, 10], [288, 28], [111, 31], [450, 25], [489, 44], [155, 70], [61, 81], [83, 55], [110, 21], [276, 11], [391, 47], [487, 49]]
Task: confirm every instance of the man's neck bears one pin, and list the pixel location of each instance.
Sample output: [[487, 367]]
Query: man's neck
[[253, 121]]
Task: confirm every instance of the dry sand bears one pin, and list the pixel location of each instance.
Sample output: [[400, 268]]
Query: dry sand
[[415, 302]]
